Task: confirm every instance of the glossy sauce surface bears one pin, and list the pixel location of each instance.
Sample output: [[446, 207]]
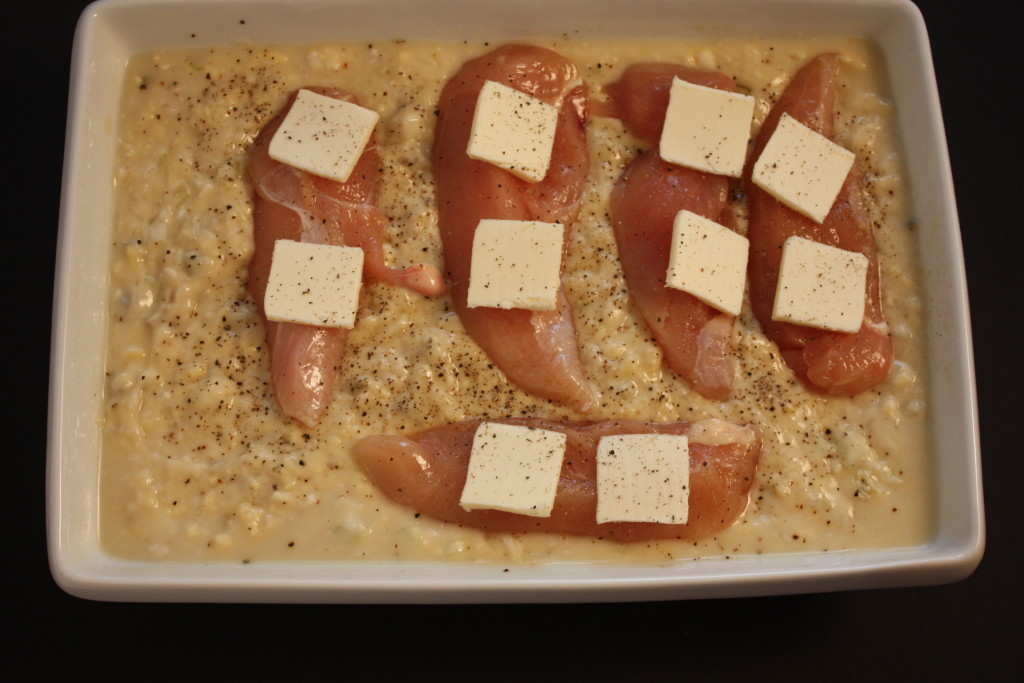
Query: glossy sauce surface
[[199, 464]]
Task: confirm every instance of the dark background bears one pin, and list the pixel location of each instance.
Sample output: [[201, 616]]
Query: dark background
[[970, 629]]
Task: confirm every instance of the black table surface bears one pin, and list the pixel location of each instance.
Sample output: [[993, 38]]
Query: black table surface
[[971, 628]]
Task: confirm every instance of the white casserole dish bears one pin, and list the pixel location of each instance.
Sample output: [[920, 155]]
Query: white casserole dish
[[111, 31]]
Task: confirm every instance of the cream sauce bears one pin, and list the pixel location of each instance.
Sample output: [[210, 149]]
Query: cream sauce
[[199, 465]]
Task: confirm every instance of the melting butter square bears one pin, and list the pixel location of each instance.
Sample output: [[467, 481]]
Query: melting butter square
[[643, 478], [821, 286], [323, 136], [513, 130], [514, 468], [516, 264], [802, 169], [706, 128], [709, 261], [314, 284]]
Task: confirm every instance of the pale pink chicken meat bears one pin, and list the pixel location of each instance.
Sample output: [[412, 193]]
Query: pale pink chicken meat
[[829, 362], [427, 472], [536, 350], [295, 205], [695, 338]]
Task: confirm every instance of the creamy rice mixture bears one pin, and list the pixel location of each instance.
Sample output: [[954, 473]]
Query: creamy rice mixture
[[199, 465]]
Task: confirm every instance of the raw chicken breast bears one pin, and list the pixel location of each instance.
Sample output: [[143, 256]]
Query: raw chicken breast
[[427, 472], [536, 350], [830, 362], [296, 205], [695, 338]]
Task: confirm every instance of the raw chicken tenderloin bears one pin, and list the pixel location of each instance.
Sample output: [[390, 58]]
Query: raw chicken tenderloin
[[296, 205], [830, 362], [695, 338], [427, 472], [536, 350]]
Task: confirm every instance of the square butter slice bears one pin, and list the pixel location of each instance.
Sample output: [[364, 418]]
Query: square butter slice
[[314, 284], [516, 264], [514, 131], [706, 128], [514, 468], [323, 136], [821, 286], [802, 169], [709, 261], [643, 478]]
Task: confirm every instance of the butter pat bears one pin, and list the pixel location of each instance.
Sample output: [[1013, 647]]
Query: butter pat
[[513, 468], [802, 169], [643, 478], [821, 286], [706, 128], [708, 261], [314, 284], [514, 131], [516, 264], [323, 136]]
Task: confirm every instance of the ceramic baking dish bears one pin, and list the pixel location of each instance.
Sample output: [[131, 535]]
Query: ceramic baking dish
[[110, 32]]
